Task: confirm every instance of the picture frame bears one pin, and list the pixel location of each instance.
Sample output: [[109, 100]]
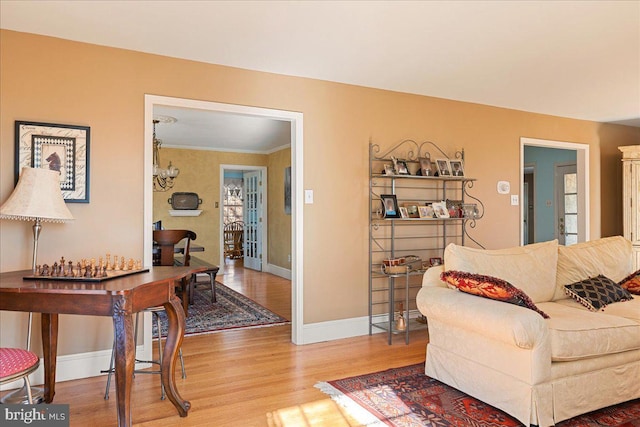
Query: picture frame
[[426, 167], [402, 168], [412, 210], [440, 209], [457, 167], [403, 212], [390, 206], [388, 169], [455, 208], [435, 261], [60, 147], [425, 211], [443, 167]]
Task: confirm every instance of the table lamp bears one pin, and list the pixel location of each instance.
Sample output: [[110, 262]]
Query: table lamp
[[37, 197]]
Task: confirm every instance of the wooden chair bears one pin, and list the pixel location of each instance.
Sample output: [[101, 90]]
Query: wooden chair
[[15, 364], [233, 239]]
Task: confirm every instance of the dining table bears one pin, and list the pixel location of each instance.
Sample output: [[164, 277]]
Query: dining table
[[117, 297]]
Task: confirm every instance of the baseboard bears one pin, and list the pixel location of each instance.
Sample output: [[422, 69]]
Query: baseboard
[[278, 271], [72, 367]]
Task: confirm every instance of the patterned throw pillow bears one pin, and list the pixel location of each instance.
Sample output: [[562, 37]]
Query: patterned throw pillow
[[489, 287], [597, 292], [631, 283]]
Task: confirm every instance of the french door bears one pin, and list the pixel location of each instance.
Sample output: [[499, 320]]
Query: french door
[[566, 189], [253, 213]]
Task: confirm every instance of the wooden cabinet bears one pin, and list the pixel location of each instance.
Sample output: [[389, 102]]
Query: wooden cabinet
[[417, 236], [631, 197]]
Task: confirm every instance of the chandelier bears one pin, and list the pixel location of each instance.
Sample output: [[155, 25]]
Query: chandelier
[[163, 179]]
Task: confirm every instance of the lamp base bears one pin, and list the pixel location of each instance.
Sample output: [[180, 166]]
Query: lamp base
[[20, 396]]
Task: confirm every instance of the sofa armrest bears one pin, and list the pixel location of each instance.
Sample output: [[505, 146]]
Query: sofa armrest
[[508, 323]]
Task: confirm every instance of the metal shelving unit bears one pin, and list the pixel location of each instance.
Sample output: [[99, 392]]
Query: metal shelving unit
[[397, 237]]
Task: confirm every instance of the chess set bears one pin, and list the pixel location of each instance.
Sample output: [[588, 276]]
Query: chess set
[[88, 270]]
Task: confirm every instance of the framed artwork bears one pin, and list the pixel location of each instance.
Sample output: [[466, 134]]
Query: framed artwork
[[425, 211], [443, 167], [435, 261], [64, 148], [412, 210], [426, 168], [403, 212], [390, 206], [402, 169], [388, 169], [287, 190], [440, 209], [457, 168]]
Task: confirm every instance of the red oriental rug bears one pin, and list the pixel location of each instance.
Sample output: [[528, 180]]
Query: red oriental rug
[[404, 397]]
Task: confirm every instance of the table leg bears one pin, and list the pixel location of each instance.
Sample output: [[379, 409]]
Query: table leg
[[175, 334], [49, 327], [124, 363]]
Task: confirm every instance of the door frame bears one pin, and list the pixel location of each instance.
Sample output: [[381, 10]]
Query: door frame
[[263, 177], [582, 165], [297, 194]]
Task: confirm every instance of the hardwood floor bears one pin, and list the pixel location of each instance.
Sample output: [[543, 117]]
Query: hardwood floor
[[249, 377]]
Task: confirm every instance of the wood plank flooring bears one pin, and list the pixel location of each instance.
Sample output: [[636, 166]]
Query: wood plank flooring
[[250, 377]]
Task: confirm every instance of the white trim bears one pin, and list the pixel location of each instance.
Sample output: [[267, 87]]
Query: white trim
[[297, 165], [227, 150], [72, 367], [278, 271], [582, 165]]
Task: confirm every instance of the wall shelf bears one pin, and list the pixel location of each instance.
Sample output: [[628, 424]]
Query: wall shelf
[[185, 212]]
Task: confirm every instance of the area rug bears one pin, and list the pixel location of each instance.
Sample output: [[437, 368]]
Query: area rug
[[404, 397], [232, 310]]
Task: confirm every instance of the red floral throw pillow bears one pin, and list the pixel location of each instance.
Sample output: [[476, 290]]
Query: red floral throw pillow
[[631, 283], [489, 287]]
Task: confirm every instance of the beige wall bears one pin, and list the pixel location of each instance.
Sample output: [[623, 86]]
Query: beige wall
[[279, 228], [56, 81]]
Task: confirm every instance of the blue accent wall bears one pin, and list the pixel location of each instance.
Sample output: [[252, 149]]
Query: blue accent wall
[[544, 159]]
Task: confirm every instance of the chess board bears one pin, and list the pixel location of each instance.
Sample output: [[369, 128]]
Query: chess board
[[113, 274]]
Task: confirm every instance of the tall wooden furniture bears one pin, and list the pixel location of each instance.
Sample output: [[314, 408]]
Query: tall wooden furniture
[[420, 235], [119, 299], [631, 198]]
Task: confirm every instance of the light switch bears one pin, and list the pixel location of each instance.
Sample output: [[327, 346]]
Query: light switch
[[515, 200], [308, 197]]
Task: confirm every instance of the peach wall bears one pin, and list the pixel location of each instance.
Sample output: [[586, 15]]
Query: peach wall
[[279, 228], [57, 81]]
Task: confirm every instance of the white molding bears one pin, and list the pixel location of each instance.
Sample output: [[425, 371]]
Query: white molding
[[73, 367], [278, 271]]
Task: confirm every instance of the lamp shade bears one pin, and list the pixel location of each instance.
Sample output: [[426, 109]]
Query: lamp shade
[[37, 196]]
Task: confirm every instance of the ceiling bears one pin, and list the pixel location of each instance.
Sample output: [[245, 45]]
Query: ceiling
[[576, 59]]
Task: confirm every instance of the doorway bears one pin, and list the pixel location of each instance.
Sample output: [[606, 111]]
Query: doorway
[[543, 221], [296, 122]]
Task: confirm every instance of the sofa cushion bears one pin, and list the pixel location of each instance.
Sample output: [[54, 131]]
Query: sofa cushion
[[531, 268], [579, 334], [610, 256], [489, 287], [631, 283], [628, 309], [597, 292]]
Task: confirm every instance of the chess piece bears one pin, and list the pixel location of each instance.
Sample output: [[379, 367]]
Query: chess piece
[[122, 263], [116, 265], [70, 270], [130, 264], [87, 271], [139, 265], [54, 270], [104, 271], [109, 266], [45, 270]]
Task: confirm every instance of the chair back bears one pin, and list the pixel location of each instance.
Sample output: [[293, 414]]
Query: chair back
[[166, 241], [233, 239]]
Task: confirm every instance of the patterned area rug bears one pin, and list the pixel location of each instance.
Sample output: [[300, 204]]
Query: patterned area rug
[[404, 397], [231, 311]]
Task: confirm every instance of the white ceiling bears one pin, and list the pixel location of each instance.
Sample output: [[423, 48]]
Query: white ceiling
[[576, 59]]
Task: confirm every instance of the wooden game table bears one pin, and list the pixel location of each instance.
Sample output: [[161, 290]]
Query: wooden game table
[[118, 298]]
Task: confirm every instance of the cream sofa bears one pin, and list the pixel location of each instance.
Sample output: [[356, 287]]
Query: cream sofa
[[540, 371]]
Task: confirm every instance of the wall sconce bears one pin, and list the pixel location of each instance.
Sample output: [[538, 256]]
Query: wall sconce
[[163, 179]]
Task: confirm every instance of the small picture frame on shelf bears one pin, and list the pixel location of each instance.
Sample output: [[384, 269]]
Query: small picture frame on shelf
[[455, 208], [403, 212], [388, 169], [440, 209], [390, 205], [402, 169], [435, 261], [425, 211], [426, 168], [469, 210], [457, 168], [412, 210], [443, 167]]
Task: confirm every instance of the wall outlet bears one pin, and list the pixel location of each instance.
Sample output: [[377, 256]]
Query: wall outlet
[[515, 200], [308, 196]]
